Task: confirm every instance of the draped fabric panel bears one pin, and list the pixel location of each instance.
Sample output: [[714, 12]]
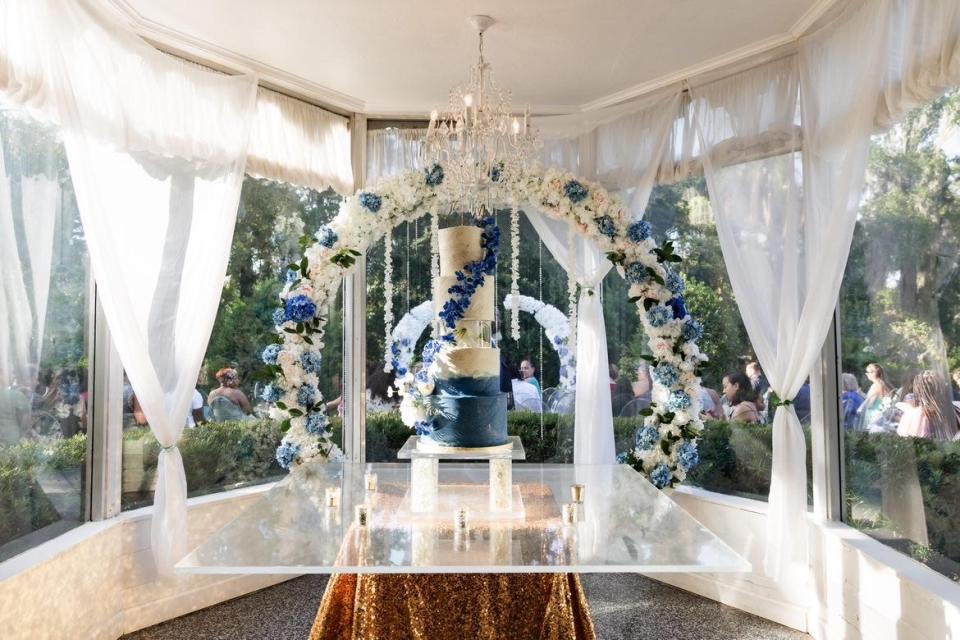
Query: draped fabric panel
[[292, 141], [392, 151], [156, 149]]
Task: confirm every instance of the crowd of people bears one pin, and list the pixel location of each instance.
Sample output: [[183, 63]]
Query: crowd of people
[[42, 402]]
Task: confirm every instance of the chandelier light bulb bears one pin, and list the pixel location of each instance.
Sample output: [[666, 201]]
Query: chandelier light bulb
[[468, 100], [516, 126]]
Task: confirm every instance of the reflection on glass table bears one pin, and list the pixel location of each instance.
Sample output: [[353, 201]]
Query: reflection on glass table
[[624, 524]]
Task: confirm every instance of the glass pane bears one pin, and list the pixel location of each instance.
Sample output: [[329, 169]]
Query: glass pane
[[736, 444], [43, 339], [901, 342], [230, 442]]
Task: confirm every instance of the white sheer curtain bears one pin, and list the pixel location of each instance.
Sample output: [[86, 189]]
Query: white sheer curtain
[[156, 150], [623, 148], [391, 151], [296, 142]]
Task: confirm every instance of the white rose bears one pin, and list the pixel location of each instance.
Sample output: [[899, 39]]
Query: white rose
[[411, 413]]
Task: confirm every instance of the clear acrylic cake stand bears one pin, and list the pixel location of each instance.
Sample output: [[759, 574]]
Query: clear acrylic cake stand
[[499, 500]]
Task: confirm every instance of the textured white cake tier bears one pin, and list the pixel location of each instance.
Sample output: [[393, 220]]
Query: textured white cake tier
[[458, 246], [481, 305], [469, 362]]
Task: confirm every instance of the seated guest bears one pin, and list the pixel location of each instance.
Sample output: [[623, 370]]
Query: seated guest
[[931, 415], [851, 400], [528, 373], [228, 402], [740, 395]]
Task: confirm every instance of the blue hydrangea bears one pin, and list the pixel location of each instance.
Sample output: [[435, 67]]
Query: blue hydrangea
[[692, 330], [606, 226], [675, 283], [434, 175], [291, 276], [271, 393], [370, 201], [279, 317], [678, 400], [622, 458], [557, 340], [659, 315], [635, 273], [307, 395], [575, 191], [430, 351], [661, 476], [317, 422], [423, 376], [687, 456], [300, 308], [424, 427], [666, 374], [270, 354], [311, 362], [639, 231], [679, 307], [287, 452], [647, 437], [70, 391], [327, 236]]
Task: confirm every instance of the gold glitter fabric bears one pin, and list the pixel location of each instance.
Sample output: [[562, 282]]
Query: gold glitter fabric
[[522, 606]]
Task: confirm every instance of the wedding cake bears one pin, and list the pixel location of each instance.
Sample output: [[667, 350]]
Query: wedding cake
[[470, 410]]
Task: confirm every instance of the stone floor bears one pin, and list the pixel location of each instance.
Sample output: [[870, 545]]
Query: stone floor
[[624, 606]]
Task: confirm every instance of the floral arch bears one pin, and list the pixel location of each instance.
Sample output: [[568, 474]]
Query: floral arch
[[666, 446]]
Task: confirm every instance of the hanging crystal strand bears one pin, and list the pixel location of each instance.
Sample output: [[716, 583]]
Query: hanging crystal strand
[[572, 284], [434, 258], [540, 297], [388, 296], [515, 273]]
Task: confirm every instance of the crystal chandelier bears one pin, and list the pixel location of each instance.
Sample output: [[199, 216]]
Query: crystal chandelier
[[479, 139]]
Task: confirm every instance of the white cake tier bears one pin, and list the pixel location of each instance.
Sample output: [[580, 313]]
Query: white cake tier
[[469, 362], [458, 246], [481, 305]]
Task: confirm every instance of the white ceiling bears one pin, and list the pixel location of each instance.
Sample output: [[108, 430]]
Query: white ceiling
[[401, 56]]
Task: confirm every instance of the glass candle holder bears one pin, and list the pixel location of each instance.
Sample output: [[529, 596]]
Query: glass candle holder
[[568, 513], [460, 519], [370, 482], [362, 515], [576, 493], [332, 497]]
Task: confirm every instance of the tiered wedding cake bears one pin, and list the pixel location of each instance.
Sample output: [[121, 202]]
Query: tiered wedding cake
[[471, 410]]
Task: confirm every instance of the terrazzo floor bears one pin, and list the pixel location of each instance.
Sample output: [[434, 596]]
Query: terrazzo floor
[[624, 606]]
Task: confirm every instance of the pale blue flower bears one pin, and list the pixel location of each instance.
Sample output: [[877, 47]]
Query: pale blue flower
[[327, 236], [270, 354], [311, 361], [307, 395], [661, 476], [666, 374], [635, 273], [271, 393], [678, 400], [659, 315], [692, 330], [575, 191], [687, 456], [279, 317], [300, 308], [638, 231], [675, 283], [287, 452], [317, 422], [647, 437], [370, 201]]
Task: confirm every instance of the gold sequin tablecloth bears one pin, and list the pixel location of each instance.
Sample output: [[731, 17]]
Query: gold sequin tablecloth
[[518, 606]]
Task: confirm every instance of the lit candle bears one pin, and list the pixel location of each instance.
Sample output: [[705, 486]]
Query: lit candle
[[362, 515], [433, 117], [576, 492], [370, 482], [516, 127], [468, 100], [333, 497]]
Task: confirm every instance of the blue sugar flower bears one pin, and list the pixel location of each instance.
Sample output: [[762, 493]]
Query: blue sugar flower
[[687, 456], [434, 175], [635, 273], [307, 395], [327, 236], [666, 374], [430, 351], [311, 361], [675, 283], [317, 422], [424, 427], [661, 476], [678, 400], [679, 307], [300, 308], [557, 340], [401, 371], [606, 226], [270, 354], [692, 330], [370, 201], [287, 452], [291, 276], [422, 376], [638, 231], [279, 317], [271, 393], [575, 191], [647, 438], [659, 315]]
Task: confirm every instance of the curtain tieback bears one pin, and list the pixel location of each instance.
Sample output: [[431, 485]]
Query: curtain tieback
[[776, 401], [170, 448], [586, 290]]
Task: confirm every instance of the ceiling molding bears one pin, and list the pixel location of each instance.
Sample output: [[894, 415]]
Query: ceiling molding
[[201, 50]]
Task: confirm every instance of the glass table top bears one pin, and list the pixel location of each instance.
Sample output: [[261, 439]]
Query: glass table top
[[417, 447], [626, 525]]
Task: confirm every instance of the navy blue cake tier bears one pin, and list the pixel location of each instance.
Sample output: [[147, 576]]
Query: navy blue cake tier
[[470, 421]]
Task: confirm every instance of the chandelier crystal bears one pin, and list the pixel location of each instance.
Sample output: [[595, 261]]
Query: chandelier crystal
[[479, 140]]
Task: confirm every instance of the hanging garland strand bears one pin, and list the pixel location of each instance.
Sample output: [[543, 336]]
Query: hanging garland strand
[[434, 258], [540, 361], [515, 273], [572, 284], [388, 296]]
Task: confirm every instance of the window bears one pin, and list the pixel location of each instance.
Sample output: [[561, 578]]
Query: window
[[44, 342], [735, 454], [900, 338], [234, 445]]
